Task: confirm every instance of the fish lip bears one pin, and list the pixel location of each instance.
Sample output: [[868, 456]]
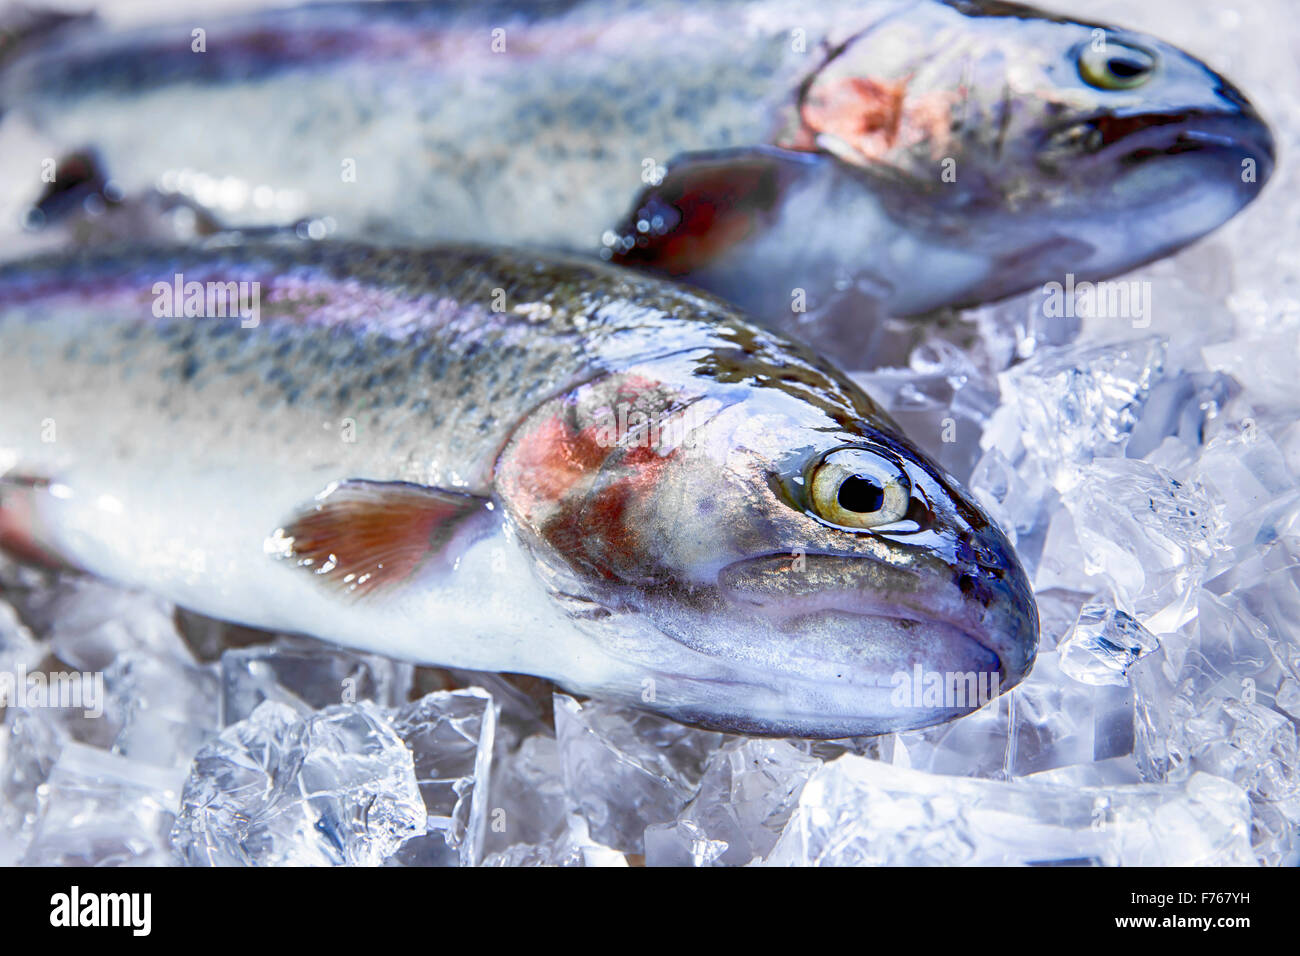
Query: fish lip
[[1135, 138], [808, 695], [812, 722], [867, 604]]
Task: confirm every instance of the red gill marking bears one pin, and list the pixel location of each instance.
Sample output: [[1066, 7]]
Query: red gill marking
[[578, 489], [875, 117], [547, 462], [865, 113], [615, 537]]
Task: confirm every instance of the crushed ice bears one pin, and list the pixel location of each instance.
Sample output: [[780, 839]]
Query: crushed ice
[[1148, 471]]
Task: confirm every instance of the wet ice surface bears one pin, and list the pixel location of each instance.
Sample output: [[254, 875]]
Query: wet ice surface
[[335, 787], [1147, 471]]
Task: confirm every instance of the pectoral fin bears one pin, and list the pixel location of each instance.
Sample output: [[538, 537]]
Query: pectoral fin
[[706, 204], [78, 203], [365, 536]]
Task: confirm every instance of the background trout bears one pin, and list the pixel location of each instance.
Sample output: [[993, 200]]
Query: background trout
[[502, 462], [847, 157]]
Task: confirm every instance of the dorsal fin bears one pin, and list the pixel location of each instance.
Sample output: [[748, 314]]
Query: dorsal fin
[[364, 536]]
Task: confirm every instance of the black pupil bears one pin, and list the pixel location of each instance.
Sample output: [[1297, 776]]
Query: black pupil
[[860, 495], [1127, 69]]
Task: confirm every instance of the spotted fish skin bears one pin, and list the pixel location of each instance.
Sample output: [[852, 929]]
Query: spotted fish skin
[[501, 461], [544, 142], [817, 164]]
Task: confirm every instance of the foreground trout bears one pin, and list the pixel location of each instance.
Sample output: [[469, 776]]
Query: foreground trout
[[502, 462], [847, 157]]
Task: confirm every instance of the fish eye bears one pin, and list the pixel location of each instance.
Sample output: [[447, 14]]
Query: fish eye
[[858, 488], [1117, 66]]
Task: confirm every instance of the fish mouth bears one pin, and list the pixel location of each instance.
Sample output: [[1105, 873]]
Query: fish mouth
[[1139, 138], [881, 649]]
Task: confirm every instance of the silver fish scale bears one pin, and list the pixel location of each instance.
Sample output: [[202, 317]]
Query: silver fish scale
[[594, 91], [405, 344]]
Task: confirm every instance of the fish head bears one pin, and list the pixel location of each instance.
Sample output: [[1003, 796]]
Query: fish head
[[1055, 145], [766, 551]]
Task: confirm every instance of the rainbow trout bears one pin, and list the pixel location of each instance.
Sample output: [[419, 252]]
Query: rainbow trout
[[815, 163], [502, 462]]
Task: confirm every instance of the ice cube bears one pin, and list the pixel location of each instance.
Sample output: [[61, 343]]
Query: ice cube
[[335, 788], [1248, 743], [977, 744], [162, 741], [33, 742], [1078, 404], [523, 702], [306, 675], [528, 802], [627, 769], [152, 707], [1252, 485], [683, 843], [1231, 640], [574, 847], [1267, 602], [745, 798], [168, 707], [1063, 565], [1182, 405], [1150, 536], [71, 705], [450, 735], [19, 651], [1203, 704], [1288, 697], [90, 623], [1017, 327], [1274, 834], [1058, 610], [1019, 501], [1048, 722], [1114, 772], [100, 809], [1057, 722], [1266, 361], [1103, 644], [858, 812]]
